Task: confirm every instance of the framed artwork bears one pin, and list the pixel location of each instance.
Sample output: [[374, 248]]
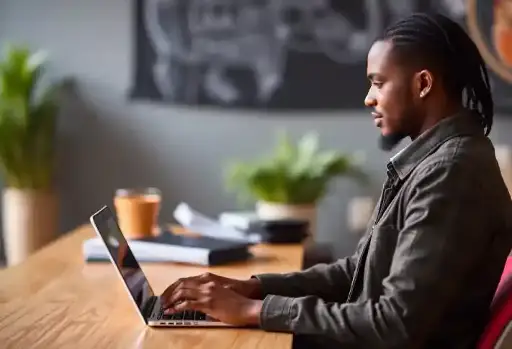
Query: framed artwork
[[490, 25], [277, 54]]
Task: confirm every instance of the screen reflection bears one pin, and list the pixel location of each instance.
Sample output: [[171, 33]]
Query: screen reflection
[[125, 261]]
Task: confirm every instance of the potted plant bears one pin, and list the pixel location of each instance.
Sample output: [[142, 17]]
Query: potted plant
[[292, 180], [28, 114]]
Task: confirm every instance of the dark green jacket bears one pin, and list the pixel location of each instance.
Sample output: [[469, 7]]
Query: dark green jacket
[[424, 274]]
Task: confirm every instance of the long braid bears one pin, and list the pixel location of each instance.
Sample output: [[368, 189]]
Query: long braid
[[437, 40]]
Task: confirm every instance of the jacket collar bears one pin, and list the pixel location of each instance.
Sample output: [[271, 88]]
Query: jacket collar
[[460, 124]]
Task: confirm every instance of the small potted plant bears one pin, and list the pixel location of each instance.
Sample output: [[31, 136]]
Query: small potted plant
[[292, 180], [28, 115]]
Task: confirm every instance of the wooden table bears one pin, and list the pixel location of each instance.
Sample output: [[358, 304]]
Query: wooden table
[[55, 300]]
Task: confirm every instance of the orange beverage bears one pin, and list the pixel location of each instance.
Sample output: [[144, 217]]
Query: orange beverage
[[137, 211]]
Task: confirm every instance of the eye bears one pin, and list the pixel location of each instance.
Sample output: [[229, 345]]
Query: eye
[[377, 84]]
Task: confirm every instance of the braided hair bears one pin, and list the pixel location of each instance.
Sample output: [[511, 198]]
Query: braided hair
[[437, 42]]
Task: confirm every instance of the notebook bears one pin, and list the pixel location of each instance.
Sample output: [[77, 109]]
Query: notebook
[[169, 247]]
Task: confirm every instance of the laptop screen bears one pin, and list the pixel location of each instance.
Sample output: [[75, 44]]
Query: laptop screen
[[122, 256]]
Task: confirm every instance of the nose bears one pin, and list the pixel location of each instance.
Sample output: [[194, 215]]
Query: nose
[[370, 100]]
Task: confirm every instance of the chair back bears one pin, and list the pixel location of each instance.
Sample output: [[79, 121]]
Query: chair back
[[498, 332]]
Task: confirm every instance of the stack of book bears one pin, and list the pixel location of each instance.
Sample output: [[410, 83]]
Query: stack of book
[[168, 247], [271, 231]]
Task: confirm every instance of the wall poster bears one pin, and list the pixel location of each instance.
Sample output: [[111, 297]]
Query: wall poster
[[288, 54]]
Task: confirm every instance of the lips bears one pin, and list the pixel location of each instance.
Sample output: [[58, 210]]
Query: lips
[[376, 115], [377, 119]]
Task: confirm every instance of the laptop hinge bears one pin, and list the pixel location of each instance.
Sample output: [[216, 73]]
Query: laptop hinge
[[148, 307]]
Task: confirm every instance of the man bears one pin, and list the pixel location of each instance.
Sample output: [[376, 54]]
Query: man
[[426, 271]]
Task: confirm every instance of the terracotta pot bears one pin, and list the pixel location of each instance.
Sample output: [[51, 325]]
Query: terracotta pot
[[29, 221]]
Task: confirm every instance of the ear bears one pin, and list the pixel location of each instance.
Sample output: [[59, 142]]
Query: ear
[[423, 83]]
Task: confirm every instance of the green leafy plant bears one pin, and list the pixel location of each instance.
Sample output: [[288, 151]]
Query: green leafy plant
[[27, 120], [295, 173]]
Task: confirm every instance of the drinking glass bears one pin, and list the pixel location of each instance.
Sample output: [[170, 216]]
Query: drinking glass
[[137, 211]]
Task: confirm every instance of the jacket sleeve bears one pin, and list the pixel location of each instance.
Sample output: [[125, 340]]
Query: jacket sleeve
[[330, 282], [326, 281], [440, 241]]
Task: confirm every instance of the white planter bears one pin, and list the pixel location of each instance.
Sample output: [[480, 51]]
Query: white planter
[[29, 221], [270, 211]]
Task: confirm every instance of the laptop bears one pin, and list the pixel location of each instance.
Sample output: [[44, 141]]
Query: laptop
[[147, 304]]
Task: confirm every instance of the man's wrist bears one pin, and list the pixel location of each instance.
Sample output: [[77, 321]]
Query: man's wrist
[[255, 288], [254, 311]]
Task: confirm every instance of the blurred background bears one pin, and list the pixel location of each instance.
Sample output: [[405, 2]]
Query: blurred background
[[152, 106]]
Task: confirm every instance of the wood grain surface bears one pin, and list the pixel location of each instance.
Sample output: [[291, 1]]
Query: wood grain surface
[[56, 300]]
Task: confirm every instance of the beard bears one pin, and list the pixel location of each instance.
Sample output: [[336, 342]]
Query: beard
[[408, 116], [390, 142]]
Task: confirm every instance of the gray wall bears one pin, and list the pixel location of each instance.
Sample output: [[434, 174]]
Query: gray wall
[[109, 142]]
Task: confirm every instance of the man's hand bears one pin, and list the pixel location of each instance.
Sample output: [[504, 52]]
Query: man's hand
[[250, 288], [216, 296]]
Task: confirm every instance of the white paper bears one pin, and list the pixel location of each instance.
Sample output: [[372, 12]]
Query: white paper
[[206, 226]]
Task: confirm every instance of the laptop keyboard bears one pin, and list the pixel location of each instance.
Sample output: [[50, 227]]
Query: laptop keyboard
[[190, 315]]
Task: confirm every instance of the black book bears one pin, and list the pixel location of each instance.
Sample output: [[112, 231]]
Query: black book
[[169, 247]]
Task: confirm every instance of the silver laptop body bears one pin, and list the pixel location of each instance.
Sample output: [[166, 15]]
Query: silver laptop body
[[147, 304]]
